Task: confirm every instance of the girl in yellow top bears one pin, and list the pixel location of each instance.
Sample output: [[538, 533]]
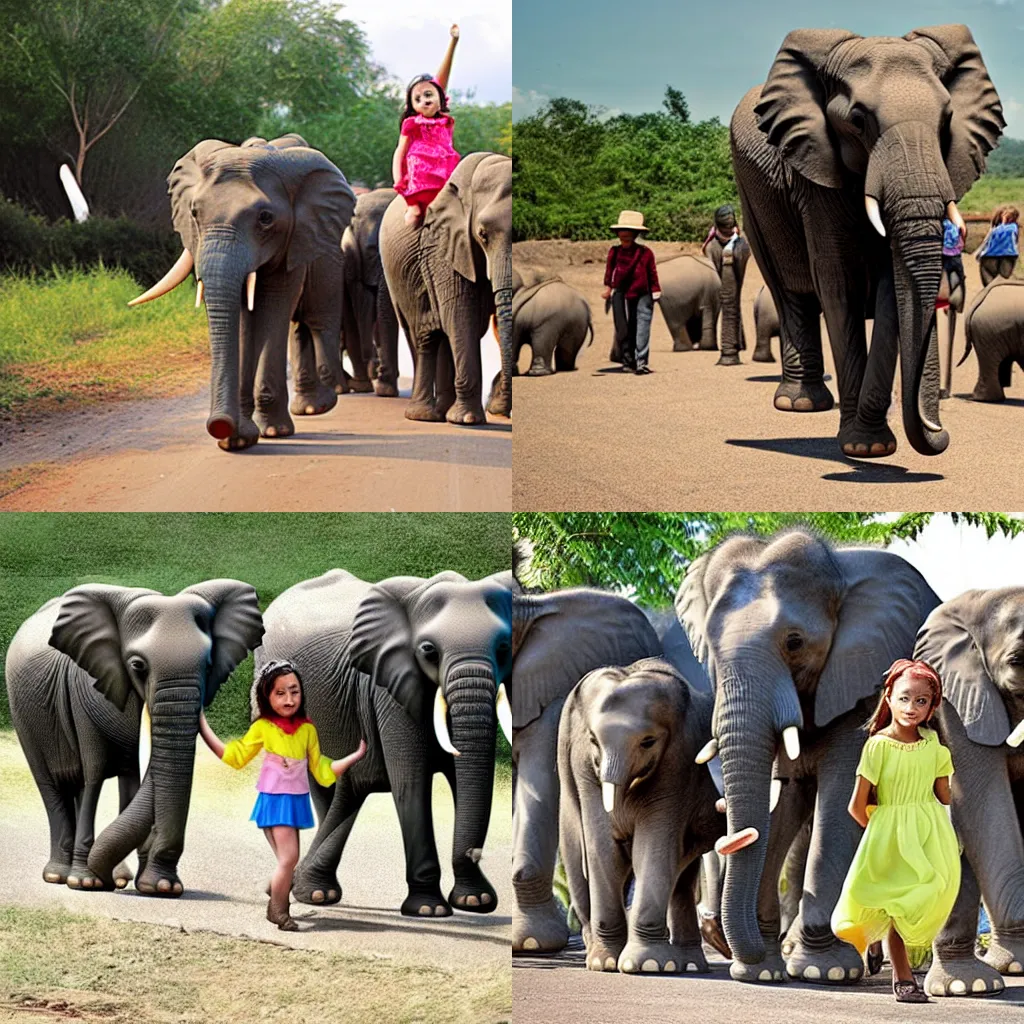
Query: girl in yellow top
[[905, 875], [292, 746]]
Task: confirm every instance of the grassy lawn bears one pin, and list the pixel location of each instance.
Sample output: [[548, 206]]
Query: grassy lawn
[[72, 339], [44, 554], [989, 192], [123, 973]]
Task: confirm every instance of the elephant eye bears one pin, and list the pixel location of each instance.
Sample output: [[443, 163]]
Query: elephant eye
[[647, 742], [138, 665], [857, 119], [794, 641], [266, 218], [429, 651]]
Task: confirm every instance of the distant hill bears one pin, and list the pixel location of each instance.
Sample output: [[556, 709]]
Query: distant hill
[[1007, 159]]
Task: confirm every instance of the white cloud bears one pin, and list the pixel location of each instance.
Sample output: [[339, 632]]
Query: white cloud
[[524, 104]]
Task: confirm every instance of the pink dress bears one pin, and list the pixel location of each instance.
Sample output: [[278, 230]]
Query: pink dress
[[430, 158]]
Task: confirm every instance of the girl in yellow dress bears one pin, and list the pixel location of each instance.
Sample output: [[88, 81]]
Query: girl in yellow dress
[[905, 875], [291, 744]]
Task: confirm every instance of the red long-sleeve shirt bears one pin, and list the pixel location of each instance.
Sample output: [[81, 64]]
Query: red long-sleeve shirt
[[638, 258]]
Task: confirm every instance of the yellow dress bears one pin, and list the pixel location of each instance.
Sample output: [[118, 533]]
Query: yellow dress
[[907, 868]]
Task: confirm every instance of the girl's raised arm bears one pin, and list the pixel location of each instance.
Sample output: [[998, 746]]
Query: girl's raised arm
[[344, 763], [858, 807], [211, 739], [446, 65]]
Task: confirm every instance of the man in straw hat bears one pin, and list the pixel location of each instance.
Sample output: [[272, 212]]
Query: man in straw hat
[[631, 283]]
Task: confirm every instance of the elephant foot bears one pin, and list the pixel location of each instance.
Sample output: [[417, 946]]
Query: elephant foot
[[56, 872], [603, 956], [705, 347], [360, 385], [464, 414], [500, 406], [770, 970], [151, 881], [797, 396], [314, 403], [539, 371], [475, 897], [682, 346], [539, 929], [385, 388], [233, 440], [426, 905], [988, 395], [711, 932], [728, 360], [660, 958], [122, 875], [837, 964], [424, 411], [318, 889], [859, 441], [82, 877], [968, 976], [274, 423], [1005, 955], [762, 356]]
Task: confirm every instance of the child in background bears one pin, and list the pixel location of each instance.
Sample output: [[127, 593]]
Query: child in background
[[952, 260], [998, 253]]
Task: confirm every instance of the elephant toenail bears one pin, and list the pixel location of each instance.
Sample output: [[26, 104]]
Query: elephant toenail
[[670, 966], [628, 966], [836, 974], [958, 987], [485, 897], [73, 882], [472, 901], [803, 405], [997, 985], [426, 911], [164, 885], [765, 975], [595, 964], [609, 963], [531, 943], [178, 887], [51, 877], [650, 966], [812, 973], [317, 896], [332, 894], [979, 985], [440, 911], [854, 972], [692, 968], [777, 976], [1015, 968], [936, 989]]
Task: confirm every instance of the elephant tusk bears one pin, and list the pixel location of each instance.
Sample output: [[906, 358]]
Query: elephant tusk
[[608, 796], [250, 290], [181, 269], [737, 841], [441, 724], [504, 712], [775, 793], [1015, 737], [145, 741], [874, 214], [199, 294], [934, 427], [720, 805], [791, 741], [953, 213], [707, 752]]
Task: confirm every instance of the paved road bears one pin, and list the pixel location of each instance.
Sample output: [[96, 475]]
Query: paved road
[[553, 990], [703, 437], [227, 862]]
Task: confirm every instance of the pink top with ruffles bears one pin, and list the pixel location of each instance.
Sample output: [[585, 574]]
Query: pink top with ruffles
[[431, 157]]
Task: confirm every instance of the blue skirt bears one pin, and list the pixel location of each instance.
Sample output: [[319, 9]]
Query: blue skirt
[[283, 809]]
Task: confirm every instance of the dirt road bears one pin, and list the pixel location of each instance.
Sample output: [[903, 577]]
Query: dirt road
[[703, 437], [560, 990], [155, 456]]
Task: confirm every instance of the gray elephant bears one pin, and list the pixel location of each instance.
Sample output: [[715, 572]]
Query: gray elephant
[[253, 219], [370, 323], [730, 260], [634, 802], [690, 301], [847, 160], [552, 318], [557, 638], [766, 326], [82, 673], [447, 278], [994, 328], [795, 635], [976, 644], [393, 663]]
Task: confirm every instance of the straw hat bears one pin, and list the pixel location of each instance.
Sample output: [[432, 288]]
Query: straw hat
[[630, 220]]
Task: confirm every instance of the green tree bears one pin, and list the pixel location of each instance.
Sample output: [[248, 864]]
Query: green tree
[[648, 553], [675, 103]]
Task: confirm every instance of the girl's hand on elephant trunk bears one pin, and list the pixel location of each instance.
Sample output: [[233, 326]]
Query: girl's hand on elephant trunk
[[343, 764]]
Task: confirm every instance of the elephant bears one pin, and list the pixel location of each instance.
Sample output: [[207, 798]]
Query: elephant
[[557, 639], [731, 267], [847, 160], [690, 301], [446, 279], [390, 662], [634, 802], [994, 328], [84, 674], [766, 326], [552, 318], [795, 635], [253, 219], [976, 643], [370, 323], [955, 294]]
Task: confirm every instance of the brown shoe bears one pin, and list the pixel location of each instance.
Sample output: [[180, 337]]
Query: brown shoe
[[908, 992], [280, 916]]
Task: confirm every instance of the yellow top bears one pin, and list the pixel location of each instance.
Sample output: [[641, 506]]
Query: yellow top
[[301, 745]]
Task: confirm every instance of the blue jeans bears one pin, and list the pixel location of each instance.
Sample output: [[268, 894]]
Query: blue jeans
[[636, 337]]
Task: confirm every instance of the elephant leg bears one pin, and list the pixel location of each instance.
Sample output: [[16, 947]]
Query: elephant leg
[[386, 384], [686, 337], [683, 927], [423, 403], [464, 339], [793, 869], [1006, 950], [313, 394], [709, 324], [732, 325], [989, 386], [59, 802], [955, 970], [80, 876], [472, 890], [763, 342], [127, 787], [249, 343], [359, 382], [802, 388], [542, 346], [538, 922], [316, 877], [445, 381], [276, 298]]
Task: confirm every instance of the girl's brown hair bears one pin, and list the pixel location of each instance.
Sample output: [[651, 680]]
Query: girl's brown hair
[[919, 670], [1011, 215], [270, 674], [997, 215]]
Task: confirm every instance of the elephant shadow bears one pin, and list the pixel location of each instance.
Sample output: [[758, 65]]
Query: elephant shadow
[[824, 448], [966, 396], [771, 378], [375, 919]]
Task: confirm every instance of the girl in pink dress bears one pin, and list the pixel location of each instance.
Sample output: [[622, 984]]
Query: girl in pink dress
[[425, 158]]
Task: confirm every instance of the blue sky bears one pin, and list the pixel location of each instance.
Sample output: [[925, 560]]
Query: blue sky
[[609, 53]]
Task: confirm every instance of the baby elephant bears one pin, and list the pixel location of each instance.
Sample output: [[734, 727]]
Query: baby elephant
[[994, 327], [766, 326], [633, 800], [550, 317]]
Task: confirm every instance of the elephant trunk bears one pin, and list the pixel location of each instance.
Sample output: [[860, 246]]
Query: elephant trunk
[[907, 178], [471, 690], [223, 263], [125, 833]]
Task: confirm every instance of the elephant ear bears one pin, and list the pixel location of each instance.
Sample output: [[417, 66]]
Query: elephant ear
[[88, 631], [322, 203], [948, 644], [449, 216], [791, 110], [977, 119], [691, 606], [885, 601], [236, 628], [187, 175]]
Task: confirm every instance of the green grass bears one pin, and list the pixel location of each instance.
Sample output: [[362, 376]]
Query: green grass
[[989, 192], [72, 337], [44, 554]]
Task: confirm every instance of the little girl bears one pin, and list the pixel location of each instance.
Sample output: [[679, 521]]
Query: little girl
[[425, 158], [291, 743], [905, 875]]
